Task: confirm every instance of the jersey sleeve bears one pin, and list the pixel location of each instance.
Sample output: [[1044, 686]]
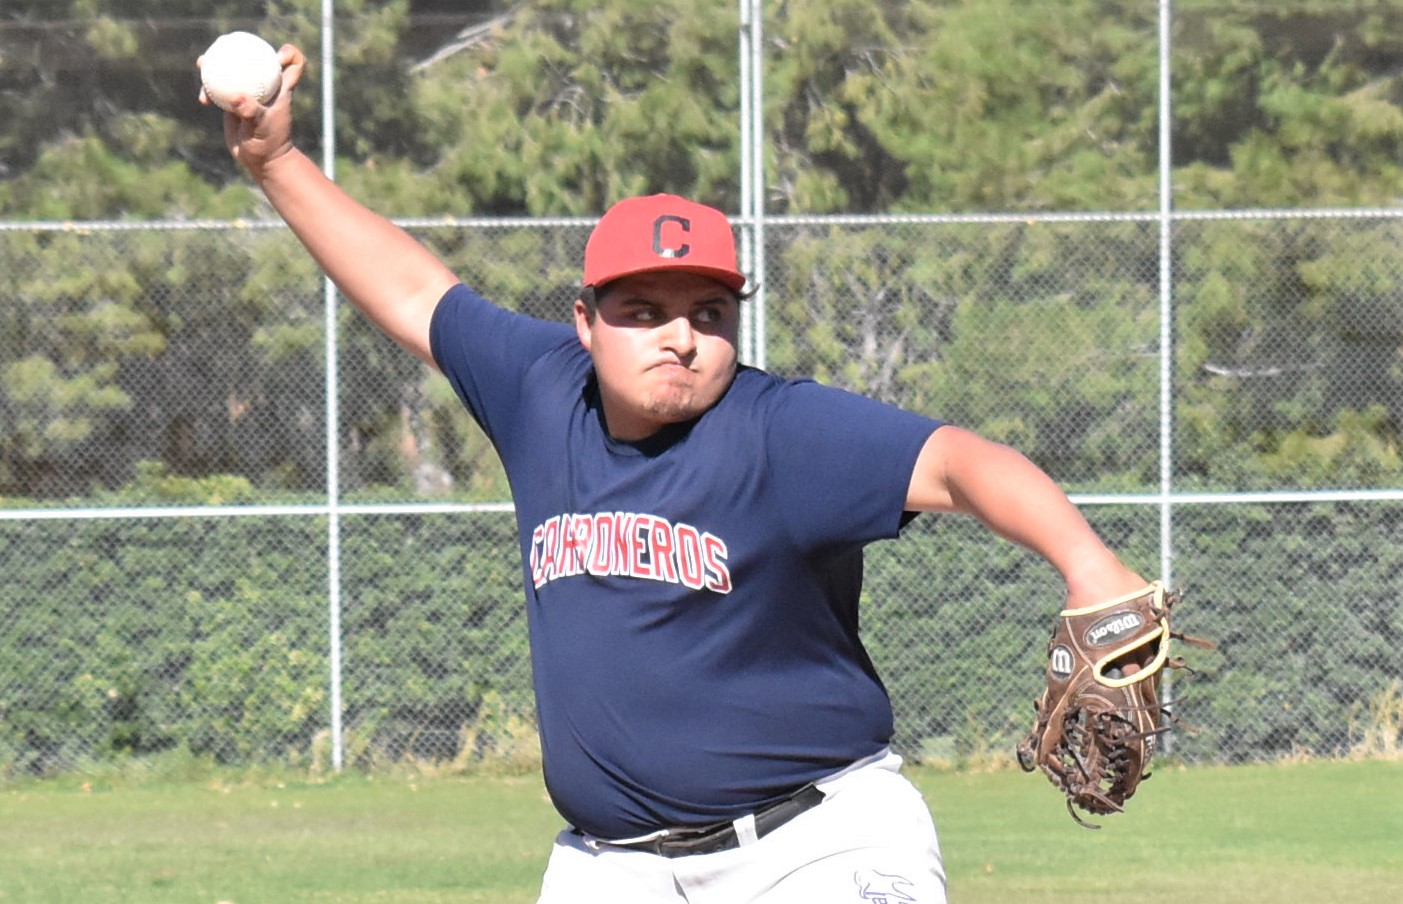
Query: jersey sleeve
[[842, 463], [485, 351]]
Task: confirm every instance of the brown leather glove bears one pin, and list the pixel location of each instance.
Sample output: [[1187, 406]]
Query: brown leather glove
[[1098, 721]]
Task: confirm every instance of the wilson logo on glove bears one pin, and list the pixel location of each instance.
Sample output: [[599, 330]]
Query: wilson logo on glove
[[1113, 628]]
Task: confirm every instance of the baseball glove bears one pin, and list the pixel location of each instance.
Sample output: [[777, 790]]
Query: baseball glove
[[1098, 721]]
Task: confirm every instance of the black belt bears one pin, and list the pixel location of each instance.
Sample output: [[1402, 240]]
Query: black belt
[[722, 836]]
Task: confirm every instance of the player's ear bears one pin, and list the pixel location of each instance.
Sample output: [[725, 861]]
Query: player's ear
[[584, 321]]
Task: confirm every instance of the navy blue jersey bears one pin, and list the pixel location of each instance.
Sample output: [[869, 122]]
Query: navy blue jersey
[[692, 597]]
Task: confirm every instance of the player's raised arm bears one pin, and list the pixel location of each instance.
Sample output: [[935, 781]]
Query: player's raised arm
[[383, 270], [959, 471]]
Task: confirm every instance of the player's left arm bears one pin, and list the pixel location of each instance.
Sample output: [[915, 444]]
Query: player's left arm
[[960, 471]]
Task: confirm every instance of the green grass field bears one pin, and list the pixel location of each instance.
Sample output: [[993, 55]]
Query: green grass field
[[1313, 831]]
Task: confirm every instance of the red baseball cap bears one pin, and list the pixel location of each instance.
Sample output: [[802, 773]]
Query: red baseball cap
[[662, 232]]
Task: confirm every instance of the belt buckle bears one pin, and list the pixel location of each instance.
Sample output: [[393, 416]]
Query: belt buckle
[[683, 842]]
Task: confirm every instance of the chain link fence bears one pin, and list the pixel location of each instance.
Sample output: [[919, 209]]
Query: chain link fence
[[190, 578], [236, 522]]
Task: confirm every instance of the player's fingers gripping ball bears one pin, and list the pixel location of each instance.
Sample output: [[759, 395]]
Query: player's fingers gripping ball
[[239, 65], [1097, 723]]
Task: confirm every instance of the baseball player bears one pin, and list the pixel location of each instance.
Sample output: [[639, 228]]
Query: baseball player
[[691, 531]]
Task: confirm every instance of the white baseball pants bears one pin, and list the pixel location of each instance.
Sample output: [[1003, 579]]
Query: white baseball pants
[[871, 841]]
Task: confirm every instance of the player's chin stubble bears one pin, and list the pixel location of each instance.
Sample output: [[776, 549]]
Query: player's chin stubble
[[681, 397], [678, 395], [671, 404]]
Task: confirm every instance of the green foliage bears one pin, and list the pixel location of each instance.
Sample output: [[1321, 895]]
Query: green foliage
[[211, 637], [1286, 332], [1303, 641], [186, 365], [1030, 334], [1301, 602], [957, 623], [1019, 106], [1279, 105], [563, 100], [154, 483], [1288, 366], [132, 638], [212, 329]]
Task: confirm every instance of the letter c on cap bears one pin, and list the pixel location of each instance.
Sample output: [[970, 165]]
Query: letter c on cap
[[662, 250]]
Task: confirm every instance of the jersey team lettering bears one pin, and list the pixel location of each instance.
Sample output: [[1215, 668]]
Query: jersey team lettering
[[628, 544]]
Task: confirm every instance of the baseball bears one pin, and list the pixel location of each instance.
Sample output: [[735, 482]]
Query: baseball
[[240, 64]]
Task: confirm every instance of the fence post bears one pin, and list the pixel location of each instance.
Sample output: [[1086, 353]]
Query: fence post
[[333, 407], [1166, 330]]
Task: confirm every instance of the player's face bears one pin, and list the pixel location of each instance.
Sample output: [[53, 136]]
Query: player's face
[[664, 348]]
